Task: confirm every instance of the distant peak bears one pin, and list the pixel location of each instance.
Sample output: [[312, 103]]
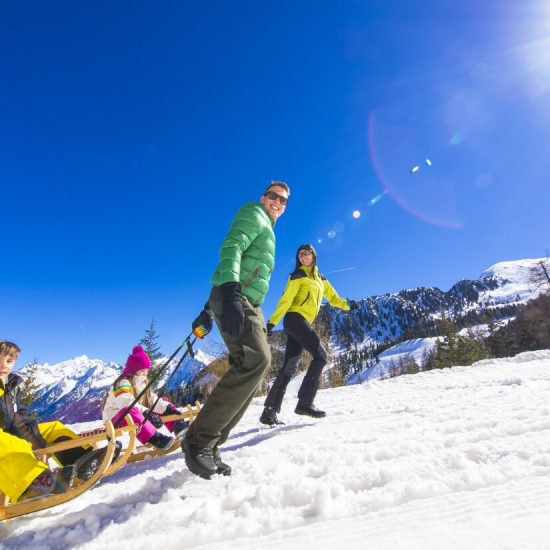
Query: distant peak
[[512, 269]]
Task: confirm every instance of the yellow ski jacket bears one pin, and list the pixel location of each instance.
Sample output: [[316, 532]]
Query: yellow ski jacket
[[303, 294]]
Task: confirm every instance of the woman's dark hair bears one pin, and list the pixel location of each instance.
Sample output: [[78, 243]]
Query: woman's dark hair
[[306, 246]]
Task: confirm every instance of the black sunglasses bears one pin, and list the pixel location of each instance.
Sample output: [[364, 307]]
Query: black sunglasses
[[274, 196]]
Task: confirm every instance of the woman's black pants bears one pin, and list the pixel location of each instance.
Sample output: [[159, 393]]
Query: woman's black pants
[[300, 336]]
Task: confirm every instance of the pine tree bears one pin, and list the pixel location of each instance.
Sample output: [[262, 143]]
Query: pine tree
[[150, 342], [454, 349], [29, 386], [446, 349], [408, 365], [529, 331], [472, 349], [150, 345], [336, 378]]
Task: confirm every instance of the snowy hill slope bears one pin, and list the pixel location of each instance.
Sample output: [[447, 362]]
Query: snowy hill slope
[[448, 459], [415, 348], [72, 389]]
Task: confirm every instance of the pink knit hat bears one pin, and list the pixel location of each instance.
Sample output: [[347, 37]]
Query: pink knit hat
[[137, 361]]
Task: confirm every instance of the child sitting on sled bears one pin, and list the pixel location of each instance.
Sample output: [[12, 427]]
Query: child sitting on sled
[[122, 394], [22, 474]]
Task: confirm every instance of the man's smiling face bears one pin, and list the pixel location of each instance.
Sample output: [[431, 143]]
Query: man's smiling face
[[274, 201]]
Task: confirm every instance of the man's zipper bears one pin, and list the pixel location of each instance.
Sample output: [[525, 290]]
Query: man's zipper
[[247, 282]]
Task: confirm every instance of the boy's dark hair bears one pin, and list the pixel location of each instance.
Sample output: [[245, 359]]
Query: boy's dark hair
[[277, 183], [9, 348]]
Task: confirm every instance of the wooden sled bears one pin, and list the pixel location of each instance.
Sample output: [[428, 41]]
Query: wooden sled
[[149, 451], [9, 510], [136, 452]]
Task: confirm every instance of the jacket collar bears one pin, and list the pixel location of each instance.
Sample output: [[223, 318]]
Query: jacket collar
[[13, 381], [310, 271]]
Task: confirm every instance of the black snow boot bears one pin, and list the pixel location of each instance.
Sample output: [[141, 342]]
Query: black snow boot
[[309, 410], [269, 418], [222, 468], [180, 428], [87, 465], [161, 441], [199, 460]]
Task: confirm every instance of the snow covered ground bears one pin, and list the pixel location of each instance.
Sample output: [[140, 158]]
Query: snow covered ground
[[450, 459]]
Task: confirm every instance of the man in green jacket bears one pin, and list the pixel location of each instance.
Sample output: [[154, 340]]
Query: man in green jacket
[[240, 283]]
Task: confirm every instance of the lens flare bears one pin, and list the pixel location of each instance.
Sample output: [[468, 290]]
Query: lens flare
[[356, 214], [376, 199], [395, 148]]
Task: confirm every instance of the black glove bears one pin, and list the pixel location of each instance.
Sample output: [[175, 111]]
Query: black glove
[[155, 419], [170, 409], [269, 327], [202, 325], [232, 318]]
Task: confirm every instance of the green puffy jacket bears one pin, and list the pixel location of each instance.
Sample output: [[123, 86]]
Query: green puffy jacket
[[304, 293], [247, 254]]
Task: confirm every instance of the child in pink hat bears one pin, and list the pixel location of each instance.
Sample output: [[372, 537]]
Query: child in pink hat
[[122, 394]]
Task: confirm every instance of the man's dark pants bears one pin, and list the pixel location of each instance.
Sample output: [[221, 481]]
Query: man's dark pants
[[249, 360]]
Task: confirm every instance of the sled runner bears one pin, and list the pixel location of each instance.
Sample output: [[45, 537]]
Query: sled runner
[[9, 510]]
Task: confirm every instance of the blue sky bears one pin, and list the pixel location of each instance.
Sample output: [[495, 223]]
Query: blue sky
[[133, 131]]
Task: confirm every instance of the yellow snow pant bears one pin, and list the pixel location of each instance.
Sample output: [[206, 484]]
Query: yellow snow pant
[[55, 431], [18, 465]]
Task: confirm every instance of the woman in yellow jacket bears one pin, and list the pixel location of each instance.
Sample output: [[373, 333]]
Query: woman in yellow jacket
[[300, 304]]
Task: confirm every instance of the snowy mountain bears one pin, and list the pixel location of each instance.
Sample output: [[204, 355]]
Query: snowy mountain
[[188, 371], [413, 313], [450, 459], [72, 391]]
